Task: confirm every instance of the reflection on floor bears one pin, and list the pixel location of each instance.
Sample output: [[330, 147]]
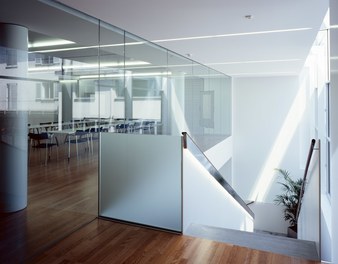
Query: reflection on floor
[[62, 197], [260, 241], [110, 242]]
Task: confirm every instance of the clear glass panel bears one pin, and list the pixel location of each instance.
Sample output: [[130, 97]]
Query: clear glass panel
[[146, 77], [207, 106], [111, 81], [81, 76], [52, 91], [181, 68]]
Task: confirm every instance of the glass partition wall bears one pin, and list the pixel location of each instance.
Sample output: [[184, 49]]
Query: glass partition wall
[[47, 109], [82, 77]]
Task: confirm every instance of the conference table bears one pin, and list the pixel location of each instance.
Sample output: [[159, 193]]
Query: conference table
[[68, 133], [71, 135], [76, 129]]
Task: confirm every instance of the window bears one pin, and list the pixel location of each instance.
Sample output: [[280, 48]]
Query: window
[[11, 59], [85, 91], [12, 96], [46, 91], [207, 109]]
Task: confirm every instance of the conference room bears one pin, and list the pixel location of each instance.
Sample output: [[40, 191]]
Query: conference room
[[78, 78]]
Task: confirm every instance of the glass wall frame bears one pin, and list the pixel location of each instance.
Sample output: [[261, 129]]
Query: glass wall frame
[[82, 74]]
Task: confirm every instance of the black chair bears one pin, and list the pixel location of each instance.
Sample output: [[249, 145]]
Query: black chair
[[124, 128], [148, 127], [138, 127], [43, 141], [46, 126]]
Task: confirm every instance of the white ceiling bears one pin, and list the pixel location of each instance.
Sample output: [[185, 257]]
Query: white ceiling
[[258, 52]]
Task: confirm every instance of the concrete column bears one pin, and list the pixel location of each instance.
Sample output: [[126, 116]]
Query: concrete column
[[13, 119]]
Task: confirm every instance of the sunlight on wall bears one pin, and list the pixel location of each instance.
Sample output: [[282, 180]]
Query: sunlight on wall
[[177, 105], [215, 185], [206, 202], [289, 128]]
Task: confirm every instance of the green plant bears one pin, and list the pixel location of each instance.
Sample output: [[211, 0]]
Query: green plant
[[290, 198]]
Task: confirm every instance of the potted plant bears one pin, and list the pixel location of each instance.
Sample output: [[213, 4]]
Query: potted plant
[[290, 200]]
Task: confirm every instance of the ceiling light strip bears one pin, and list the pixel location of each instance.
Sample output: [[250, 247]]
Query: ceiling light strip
[[233, 34], [143, 74], [88, 47], [263, 74], [248, 62], [88, 66], [50, 43]]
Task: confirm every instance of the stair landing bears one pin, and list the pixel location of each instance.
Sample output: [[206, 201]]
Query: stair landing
[[260, 241]]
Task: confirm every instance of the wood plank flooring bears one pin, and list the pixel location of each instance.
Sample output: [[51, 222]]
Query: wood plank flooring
[[62, 197], [62, 200], [103, 241]]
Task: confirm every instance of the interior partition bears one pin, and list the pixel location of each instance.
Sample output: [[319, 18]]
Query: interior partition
[[141, 179], [82, 77]]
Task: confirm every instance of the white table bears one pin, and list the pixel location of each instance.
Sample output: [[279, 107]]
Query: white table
[[66, 132]]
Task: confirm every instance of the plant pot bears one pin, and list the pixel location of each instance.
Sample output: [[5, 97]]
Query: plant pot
[[292, 231]]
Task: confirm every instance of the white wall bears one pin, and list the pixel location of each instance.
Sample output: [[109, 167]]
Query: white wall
[[266, 126], [178, 123], [220, 155], [334, 128], [333, 241], [205, 202], [269, 217]]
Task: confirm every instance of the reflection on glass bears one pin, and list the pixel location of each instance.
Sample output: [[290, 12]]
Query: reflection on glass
[[82, 76]]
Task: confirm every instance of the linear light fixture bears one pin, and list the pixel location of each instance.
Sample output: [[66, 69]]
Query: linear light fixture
[[45, 68], [50, 43], [248, 62], [233, 34], [68, 81], [88, 66], [88, 47], [143, 74], [106, 64], [262, 73]]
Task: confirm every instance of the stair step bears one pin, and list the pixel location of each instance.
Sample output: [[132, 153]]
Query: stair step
[[260, 241]]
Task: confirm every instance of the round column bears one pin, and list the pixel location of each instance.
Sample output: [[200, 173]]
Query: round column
[[13, 118]]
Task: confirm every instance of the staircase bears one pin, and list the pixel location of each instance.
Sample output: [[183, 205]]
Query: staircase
[[260, 241]]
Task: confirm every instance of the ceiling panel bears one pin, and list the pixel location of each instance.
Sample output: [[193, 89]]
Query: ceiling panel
[[158, 20]]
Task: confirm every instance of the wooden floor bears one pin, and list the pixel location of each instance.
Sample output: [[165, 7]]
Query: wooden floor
[[103, 241], [62, 197], [60, 225]]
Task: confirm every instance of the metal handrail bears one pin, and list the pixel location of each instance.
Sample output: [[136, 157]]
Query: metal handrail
[[188, 143], [302, 189]]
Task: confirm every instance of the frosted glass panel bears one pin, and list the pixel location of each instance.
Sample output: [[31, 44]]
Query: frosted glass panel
[[140, 179]]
